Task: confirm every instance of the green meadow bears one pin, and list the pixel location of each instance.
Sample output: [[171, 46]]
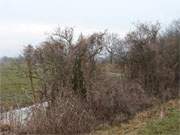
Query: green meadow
[[14, 84]]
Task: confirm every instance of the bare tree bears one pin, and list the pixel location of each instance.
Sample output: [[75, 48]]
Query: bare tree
[[141, 55], [111, 41], [63, 36]]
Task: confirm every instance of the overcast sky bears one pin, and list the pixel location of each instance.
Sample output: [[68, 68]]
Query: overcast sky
[[25, 22]]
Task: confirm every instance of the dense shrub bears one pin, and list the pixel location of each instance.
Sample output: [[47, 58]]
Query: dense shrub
[[69, 116], [112, 97], [153, 59]]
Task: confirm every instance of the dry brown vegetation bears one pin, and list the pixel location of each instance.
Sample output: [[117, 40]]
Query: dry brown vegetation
[[82, 94]]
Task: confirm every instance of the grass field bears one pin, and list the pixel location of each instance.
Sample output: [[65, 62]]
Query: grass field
[[14, 85]]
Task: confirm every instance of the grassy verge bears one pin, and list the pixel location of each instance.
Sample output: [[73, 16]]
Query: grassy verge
[[169, 125], [148, 122]]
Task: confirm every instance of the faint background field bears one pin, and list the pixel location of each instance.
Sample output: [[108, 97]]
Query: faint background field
[[14, 88]]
